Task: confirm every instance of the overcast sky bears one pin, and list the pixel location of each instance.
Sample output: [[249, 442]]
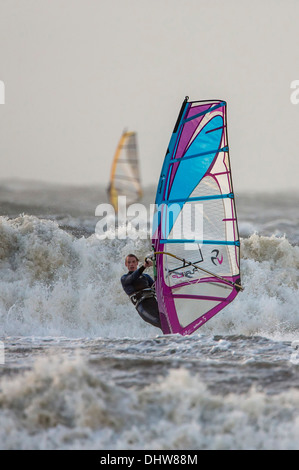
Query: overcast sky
[[76, 72]]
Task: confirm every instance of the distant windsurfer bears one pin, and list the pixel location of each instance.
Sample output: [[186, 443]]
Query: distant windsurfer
[[140, 288]]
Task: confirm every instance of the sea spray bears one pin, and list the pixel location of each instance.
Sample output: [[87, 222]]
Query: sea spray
[[64, 403], [53, 283]]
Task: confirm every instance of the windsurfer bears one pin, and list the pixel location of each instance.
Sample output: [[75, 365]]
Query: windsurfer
[[140, 288]]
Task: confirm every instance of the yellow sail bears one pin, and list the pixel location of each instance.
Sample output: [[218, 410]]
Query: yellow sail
[[124, 176]]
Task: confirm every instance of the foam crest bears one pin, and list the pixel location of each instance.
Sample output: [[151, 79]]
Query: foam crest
[[55, 284], [62, 403]]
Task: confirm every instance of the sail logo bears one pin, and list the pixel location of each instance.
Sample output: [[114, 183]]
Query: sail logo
[[295, 94], [216, 259], [2, 92], [189, 273]]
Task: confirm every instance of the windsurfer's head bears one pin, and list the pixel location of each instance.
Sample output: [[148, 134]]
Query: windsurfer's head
[[131, 262]]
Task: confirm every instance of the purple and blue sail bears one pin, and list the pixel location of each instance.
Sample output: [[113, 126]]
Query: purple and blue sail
[[195, 231]]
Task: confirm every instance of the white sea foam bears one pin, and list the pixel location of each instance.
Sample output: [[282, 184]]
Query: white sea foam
[[63, 403], [55, 284]]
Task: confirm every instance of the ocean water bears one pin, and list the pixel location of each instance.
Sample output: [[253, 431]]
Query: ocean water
[[79, 369]]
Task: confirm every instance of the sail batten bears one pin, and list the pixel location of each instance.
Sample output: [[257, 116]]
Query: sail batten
[[197, 271]]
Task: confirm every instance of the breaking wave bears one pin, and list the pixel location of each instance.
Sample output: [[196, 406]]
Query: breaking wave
[[55, 284], [62, 403]]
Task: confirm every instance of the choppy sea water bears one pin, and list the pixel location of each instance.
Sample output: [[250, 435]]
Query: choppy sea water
[[81, 370]]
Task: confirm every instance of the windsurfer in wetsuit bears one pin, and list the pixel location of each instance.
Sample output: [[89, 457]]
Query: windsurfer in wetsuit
[[139, 288]]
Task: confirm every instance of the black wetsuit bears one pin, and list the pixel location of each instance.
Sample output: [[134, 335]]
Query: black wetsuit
[[134, 283]]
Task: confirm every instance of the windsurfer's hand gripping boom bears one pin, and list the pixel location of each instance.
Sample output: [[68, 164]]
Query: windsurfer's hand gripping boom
[[147, 262]]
